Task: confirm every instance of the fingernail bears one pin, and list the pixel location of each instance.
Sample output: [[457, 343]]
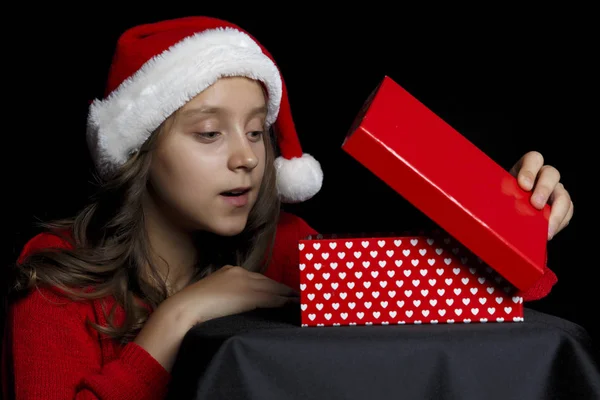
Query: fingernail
[[539, 199], [550, 232], [527, 182]]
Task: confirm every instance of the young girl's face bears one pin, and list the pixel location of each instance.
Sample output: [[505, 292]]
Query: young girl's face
[[209, 163]]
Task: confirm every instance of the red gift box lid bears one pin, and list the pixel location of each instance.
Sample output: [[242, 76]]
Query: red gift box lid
[[450, 180]]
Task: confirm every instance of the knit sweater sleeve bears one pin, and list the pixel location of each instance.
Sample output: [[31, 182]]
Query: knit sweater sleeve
[[53, 354], [56, 356]]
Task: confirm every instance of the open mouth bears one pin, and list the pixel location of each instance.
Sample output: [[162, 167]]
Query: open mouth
[[236, 192]]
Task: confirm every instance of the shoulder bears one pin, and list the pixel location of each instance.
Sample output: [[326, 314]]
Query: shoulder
[[284, 261], [43, 302], [45, 241], [42, 308], [49, 310], [291, 224], [290, 230]]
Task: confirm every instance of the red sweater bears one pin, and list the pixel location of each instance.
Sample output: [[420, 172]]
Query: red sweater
[[53, 355]]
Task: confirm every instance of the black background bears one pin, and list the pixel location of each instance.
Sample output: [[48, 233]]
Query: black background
[[504, 80]]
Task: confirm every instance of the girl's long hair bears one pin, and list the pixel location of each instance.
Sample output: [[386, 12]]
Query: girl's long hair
[[109, 247]]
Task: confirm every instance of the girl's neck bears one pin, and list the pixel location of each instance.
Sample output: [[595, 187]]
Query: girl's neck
[[173, 248]]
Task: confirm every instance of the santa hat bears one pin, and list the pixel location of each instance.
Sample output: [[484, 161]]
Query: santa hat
[[158, 67]]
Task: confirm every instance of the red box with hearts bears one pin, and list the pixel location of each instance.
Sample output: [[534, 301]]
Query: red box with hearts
[[400, 280]]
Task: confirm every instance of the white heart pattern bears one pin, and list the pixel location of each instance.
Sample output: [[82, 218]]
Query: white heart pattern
[[465, 292]]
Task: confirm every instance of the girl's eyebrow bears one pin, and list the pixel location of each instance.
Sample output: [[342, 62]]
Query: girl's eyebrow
[[194, 113]]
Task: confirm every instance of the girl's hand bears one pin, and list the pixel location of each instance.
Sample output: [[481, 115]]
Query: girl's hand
[[544, 182], [229, 290]]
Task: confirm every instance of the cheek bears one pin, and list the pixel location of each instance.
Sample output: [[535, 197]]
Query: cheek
[[183, 174]]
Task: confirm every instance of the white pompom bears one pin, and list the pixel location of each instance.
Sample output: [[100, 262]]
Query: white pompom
[[298, 179]]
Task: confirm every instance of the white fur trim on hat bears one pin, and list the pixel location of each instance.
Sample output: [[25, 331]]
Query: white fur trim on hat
[[121, 123], [299, 178]]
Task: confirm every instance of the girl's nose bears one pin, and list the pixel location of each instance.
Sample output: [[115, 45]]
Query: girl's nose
[[242, 154]]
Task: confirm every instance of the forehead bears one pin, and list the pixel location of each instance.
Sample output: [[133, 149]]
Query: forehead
[[236, 93]]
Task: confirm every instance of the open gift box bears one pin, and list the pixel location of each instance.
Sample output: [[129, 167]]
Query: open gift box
[[491, 245], [399, 280]]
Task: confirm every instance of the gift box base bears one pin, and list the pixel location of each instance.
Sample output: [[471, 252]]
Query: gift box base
[[391, 280]]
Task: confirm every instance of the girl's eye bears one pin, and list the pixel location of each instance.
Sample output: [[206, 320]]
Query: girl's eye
[[208, 135], [256, 134]]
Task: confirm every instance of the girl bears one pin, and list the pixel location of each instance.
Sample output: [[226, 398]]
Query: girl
[[186, 226]]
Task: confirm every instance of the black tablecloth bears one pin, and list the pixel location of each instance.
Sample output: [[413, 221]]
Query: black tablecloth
[[267, 355]]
